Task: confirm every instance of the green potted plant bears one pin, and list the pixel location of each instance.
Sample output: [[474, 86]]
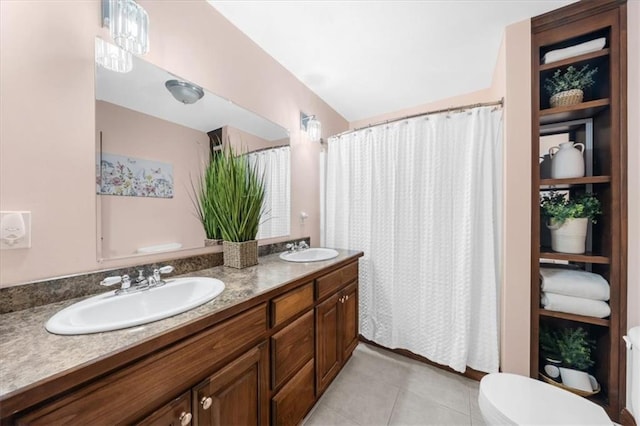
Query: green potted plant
[[203, 203], [567, 218], [575, 353], [237, 205], [566, 88]]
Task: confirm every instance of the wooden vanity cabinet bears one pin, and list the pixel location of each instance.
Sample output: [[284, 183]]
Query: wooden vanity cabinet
[[128, 394], [336, 327], [267, 364]]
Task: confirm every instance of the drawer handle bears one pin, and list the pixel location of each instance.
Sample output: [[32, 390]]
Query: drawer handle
[[206, 402], [185, 418]]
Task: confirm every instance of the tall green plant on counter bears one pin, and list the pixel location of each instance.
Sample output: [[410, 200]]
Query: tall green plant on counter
[[203, 201], [237, 195]]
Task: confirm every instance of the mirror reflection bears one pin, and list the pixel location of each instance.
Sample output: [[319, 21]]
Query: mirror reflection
[[151, 149]]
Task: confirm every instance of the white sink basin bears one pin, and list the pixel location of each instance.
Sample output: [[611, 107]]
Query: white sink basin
[[309, 255], [109, 311]]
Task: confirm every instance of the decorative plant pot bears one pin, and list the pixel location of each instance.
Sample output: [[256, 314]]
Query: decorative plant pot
[[208, 242], [567, 160], [552, 368], [240, 255], [566, 98], [570, 237], [576, 379]]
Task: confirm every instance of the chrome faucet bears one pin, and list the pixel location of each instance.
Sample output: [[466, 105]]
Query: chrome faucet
[[124, 279], [140, 283], [293, 247]]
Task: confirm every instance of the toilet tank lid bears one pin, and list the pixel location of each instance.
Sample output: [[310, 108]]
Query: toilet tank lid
[[527, 401]]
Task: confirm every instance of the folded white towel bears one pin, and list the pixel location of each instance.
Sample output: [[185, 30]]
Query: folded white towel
[[574, 283], [575, 305], [578, 49]]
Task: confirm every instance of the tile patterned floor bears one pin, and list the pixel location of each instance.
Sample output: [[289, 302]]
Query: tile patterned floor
[[378, 387]]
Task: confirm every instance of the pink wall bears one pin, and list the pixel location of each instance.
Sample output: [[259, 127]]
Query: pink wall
[[129, 223], [633, 115], [516, 286], [47, 143]]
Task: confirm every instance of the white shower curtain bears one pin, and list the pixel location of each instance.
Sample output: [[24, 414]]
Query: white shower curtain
[[275, 165], [421, 199]]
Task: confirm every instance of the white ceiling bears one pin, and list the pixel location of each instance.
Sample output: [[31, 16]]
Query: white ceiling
[[366, 58]]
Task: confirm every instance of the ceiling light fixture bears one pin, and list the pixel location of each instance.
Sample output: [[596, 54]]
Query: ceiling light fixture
[[184, 92], [311, 125], [128, 24]]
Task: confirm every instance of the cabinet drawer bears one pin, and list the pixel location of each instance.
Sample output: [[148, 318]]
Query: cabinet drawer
[[294, 400], [128, 394], [293, 302], [291, 348], [330, 283]]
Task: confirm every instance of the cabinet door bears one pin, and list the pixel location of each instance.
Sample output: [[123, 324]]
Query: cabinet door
[[328, 352], [237, 394], [349, 319], [175, 413]]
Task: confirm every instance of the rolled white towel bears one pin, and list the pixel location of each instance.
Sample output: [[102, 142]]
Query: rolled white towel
[[575, 305], [574, 283], [578, 49]]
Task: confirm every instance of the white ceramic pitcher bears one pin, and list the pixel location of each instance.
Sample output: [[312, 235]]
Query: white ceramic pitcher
[[567, 160]]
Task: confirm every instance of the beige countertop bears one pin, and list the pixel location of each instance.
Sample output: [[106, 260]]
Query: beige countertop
[[29, 354]]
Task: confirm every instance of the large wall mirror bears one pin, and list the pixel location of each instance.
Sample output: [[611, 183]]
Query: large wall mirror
[[151, 150]]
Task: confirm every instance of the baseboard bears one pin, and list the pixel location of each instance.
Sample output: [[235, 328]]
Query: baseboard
[[470, 373]]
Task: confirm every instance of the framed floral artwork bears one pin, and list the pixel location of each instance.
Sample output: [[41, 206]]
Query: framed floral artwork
[[134, 177]]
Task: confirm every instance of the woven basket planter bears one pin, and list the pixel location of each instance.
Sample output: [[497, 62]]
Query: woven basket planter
[[208, 242], [566, 98], [240, 255]]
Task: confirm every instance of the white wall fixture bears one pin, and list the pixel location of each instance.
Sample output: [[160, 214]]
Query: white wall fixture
[[303, 216], [15, 230], [128, 24], [311, 125]]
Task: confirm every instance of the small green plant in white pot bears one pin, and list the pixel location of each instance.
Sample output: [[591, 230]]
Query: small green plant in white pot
[[575, 353], [567, 88], [567, 218]]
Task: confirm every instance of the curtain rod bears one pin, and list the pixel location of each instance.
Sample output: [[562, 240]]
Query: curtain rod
[[268, 148], [422, 114]]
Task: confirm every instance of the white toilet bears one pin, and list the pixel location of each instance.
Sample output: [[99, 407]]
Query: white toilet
[[509, 399]]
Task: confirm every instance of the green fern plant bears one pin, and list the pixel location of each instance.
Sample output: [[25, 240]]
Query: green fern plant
[[570, 79], [575, 348], [559, 208]]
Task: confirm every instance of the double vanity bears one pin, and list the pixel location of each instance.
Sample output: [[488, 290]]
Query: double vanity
[[261, 352]]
